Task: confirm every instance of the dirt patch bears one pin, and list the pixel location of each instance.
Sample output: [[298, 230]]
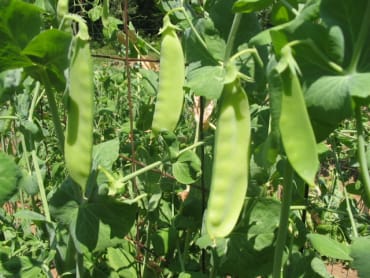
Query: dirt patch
[[341, 271]]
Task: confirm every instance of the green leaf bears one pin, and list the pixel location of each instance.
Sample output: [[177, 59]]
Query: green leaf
[[329, 99], [281, 14], [350, 18], [106, 153], [19, 23], [122, 262], [360, 252], [249, 6], [29, 215], [210, 87], [49, 50], [329, 247], [94, 225], [9, 176], [187, 168]]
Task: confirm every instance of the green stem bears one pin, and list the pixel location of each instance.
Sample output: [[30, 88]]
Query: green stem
[[349, 211], [360, 43], [362, 154], [157, 163], [284, 221], [232, 36], [147, 245], [182, 9], [54, 111], [348, 207], [290, 7], [41, 186], [186, 245]]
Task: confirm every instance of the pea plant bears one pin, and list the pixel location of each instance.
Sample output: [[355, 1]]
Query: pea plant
[[243, 153]]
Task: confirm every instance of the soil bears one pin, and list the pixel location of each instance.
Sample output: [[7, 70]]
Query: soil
[[341, 271]]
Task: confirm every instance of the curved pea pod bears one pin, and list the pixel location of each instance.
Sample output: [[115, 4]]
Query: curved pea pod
[[79, 132], [230, 167], [295, 128], [168, 106]]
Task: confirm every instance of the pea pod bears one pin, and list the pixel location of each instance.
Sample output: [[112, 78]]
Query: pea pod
[[170, 96], [295, 128], [79, 133], [230, 168]]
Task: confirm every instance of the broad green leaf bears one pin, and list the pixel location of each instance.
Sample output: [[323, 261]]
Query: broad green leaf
[[50, 49], [210, 87], [214, 45], [359, 85], [95, 225], [249, 6], [360, 252], [329, 99], [104, 223], [106, 153], [9, 176], [187, 168], [19, 23], [329, 247], [281, 14], [350, 16], [29, 215], [319, 267], [305, 265], [121, 261]]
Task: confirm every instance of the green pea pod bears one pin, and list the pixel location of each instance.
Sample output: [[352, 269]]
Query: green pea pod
[[62, 8], [79, 134], [168, 106], [230, 167], [295, 128]]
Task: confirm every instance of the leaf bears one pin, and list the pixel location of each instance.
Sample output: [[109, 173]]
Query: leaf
[[210, 87], [187, 168], [329, 247], [360, 252], [106, 153], [9, 176], [121, 261], [103, 223], [349, 17], [29, 215], [329, 99], [19, 23], [249, 6], [95, 225], [49, 50]]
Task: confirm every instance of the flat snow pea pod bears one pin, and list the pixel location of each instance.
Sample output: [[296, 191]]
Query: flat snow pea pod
[[230, 167], [170, 96], [295, 128], [79, 133]]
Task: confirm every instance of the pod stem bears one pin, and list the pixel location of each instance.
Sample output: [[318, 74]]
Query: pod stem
[[54, 110], [232, 36], [284, 221]]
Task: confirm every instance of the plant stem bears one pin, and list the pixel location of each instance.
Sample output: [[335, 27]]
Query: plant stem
[[284, 221], [232, 35], [360, 43], [54, 111], [362, 153], [348, 207], [41, 186], [157, 163], [349, 211]]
